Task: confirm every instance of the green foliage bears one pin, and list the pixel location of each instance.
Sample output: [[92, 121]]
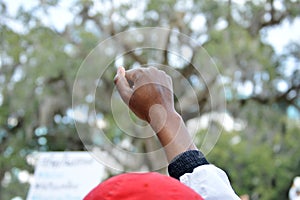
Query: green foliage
[[39, 65], [264, 162]]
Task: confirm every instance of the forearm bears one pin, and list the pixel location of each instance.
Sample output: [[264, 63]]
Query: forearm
[[173, 135], [151, 99]]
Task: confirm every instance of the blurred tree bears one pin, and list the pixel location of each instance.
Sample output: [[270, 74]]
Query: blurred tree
[[261, 159], [39, 63]]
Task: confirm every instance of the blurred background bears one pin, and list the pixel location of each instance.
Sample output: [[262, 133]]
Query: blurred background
[[255, 45]]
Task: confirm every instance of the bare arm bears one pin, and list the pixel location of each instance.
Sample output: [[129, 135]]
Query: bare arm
[[150, 96]]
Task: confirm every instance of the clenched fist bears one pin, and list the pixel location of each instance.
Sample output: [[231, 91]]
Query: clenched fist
[[147, 91], [149, 94]]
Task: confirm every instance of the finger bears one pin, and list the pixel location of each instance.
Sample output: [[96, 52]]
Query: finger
[[120, 72], [122, 85], [133, 74]]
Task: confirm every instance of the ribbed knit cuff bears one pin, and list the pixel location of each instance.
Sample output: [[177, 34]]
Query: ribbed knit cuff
[[186, 162]]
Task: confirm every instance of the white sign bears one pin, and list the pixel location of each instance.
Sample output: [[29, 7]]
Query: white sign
[[65, 176]]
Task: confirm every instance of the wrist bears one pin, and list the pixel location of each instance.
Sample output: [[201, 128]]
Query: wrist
[[174, 136], [160, 118]]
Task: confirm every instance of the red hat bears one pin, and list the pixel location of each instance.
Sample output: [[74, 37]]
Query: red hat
[[142, 186]]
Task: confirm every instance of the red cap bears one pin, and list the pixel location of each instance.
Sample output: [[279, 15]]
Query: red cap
[[142, 186]]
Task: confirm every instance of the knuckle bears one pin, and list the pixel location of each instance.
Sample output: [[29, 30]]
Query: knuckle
[[138, 72], [152, 68]]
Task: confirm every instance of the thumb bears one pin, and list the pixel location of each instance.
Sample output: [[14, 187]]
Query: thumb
[[122, 85]]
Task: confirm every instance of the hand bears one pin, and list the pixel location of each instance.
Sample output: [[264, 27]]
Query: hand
[[147, 91], [149, 94]]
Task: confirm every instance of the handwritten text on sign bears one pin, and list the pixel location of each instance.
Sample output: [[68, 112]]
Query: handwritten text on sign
[[65, 175]]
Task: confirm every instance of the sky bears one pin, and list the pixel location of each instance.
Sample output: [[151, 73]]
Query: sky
[[58, 17], [278, 36]]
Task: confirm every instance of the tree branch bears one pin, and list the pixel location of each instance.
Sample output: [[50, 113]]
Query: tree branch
[[277, 98], [202, 99], [257, 23], [166, 52]]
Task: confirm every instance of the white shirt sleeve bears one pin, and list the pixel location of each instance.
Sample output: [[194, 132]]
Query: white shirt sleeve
[[293, 194], [210, 182]]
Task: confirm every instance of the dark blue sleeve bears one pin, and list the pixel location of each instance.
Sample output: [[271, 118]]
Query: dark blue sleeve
[[186, 162]]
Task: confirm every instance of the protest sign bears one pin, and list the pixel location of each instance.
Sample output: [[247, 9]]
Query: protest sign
[[64, 176]]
